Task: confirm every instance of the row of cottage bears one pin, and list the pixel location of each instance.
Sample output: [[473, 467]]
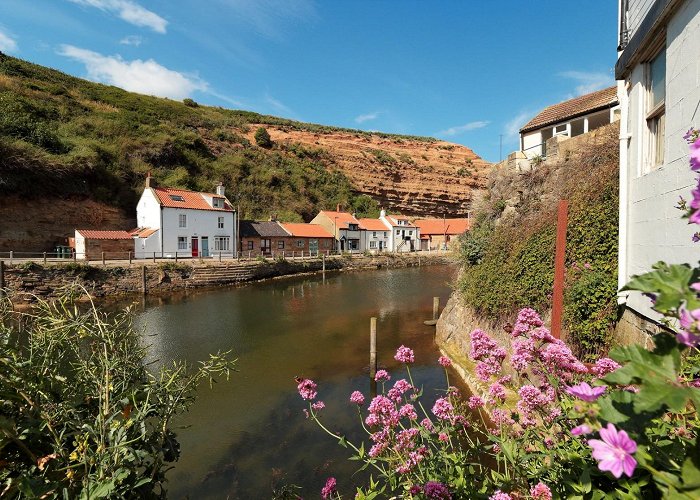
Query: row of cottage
[[179, 223]]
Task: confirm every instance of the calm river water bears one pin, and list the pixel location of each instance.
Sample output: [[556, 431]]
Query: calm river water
[[249, 435]]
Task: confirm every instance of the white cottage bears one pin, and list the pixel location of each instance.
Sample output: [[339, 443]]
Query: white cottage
[[177, 222], [403, 236], [659, 90]]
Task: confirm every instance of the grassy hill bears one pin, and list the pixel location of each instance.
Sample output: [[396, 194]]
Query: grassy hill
[[62, 136]]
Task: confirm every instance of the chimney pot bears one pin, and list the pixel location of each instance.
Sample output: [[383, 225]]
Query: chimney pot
[[220, 189]]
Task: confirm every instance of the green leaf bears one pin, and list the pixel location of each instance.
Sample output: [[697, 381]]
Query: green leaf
[[670, 283]]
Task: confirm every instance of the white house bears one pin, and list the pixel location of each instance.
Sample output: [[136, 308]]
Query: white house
[[376, 235], [186, 223], [344, 227], [659, 91], [568, 119], [403, 236]]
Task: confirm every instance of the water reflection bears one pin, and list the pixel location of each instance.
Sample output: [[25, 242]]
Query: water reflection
[[249, 434]]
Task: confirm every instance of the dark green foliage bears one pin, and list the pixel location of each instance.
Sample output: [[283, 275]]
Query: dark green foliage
[[62, 136], [511, 265], [190, 102], [383, 157], [262, 138]]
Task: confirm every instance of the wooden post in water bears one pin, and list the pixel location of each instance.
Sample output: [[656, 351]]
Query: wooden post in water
[[2, 278], [436, 307], [372, 347], [154, 257], [103, 258], [129, 258], [144, 286], [559, 263], [11, 255]]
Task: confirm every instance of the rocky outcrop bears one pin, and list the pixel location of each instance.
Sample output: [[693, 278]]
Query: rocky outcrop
[[39, 224], [410, 176]]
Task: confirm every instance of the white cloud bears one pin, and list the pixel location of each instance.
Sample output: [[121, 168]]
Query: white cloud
[[460, 129], [513, 126], [588, 82], [134, 40], [270, 17], [129, 11], [279, 106], [145, 77], [367, 117], [7, 43]]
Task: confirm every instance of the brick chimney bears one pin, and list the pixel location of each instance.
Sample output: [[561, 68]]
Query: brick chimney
[[220, 189], [337, 207], [149, 182]]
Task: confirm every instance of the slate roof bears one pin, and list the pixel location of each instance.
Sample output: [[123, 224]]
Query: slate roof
[[306, 230], [91, 234], [442, 226], [262, 229], [578, 106], [190, 199]]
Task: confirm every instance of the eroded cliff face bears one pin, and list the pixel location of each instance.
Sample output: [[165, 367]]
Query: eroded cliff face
[[38, 225], [412, 177]]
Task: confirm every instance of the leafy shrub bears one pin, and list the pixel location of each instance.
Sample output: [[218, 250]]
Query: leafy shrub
[[262, 138], [190, 103], [82, 416], [383, 157]]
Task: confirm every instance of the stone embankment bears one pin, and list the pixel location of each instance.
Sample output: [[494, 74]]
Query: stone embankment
[[28, 281]]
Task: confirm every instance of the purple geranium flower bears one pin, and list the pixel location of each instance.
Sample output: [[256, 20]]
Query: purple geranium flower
[[586, 392], [581, 429], [614, 452], [695, 156]]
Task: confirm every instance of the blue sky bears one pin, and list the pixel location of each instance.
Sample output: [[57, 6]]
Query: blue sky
[[464, 71]]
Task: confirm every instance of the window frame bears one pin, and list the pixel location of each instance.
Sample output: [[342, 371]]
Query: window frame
[[280, 244], [220, 222], [180, 241], [655, 114], [181, 220]]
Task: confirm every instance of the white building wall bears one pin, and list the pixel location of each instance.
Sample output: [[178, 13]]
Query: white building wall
[[376, 237], [654, 228], [532, 144], [199, 223], [148, 210], [79, 245], [635, 14]]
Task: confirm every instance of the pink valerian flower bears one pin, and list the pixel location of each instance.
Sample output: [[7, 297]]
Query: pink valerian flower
[[499, 495], [541, 492], [604, 366], [481, 345], [443, 409], [318, 405], [405, 439], [427, 424], [581, 430], [445, 361], [560, 361], [523, 354], [357, 397], [695, 205], [475, 402], [527, 319], [404, 355], [554, 413], [381, 375], [497, 392], [382, 411], [614, 451], [402, 386], [585, 392], [487, 368], [542, 334], [408, 411], [377, 449], [307, 389], [501, 417], [329, 488], [436, 491], [443, 437], [532, 397]]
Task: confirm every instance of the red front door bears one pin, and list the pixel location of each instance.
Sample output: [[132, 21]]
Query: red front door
[[195, 247]]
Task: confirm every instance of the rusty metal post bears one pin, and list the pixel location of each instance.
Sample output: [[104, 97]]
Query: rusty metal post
[[372, 347], [559, 264], [175, 256]]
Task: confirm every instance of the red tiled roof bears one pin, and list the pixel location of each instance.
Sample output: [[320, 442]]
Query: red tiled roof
[[373, 225], [573, 107], [90, 234], [442, 226], [394, 220], [191, 199], [306, 230], [343, 218]]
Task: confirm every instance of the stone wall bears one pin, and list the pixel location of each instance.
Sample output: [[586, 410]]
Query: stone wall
[[28, 281]]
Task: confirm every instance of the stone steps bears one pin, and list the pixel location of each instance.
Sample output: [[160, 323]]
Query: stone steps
[[221, 275]]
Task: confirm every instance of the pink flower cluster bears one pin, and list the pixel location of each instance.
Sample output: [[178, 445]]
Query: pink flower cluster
[[690, 327], [330, 488], [604, 366], [527, 319], [487, 353], [693, 138], [541, 492], [404, 355], [357, 397], [307, 389]]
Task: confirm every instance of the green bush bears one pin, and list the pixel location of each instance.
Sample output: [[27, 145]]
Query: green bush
[[262, 138], [80, 414]]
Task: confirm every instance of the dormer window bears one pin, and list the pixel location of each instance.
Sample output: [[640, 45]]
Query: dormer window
[[352, 227], [176, 197], [218, 202]]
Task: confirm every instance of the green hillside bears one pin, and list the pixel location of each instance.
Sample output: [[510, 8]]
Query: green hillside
[[64, 136]]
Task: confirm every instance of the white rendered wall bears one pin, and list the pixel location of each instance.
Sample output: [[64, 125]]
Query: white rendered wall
[[79, 246], [199, 223], [655, 230], [532, 144]]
